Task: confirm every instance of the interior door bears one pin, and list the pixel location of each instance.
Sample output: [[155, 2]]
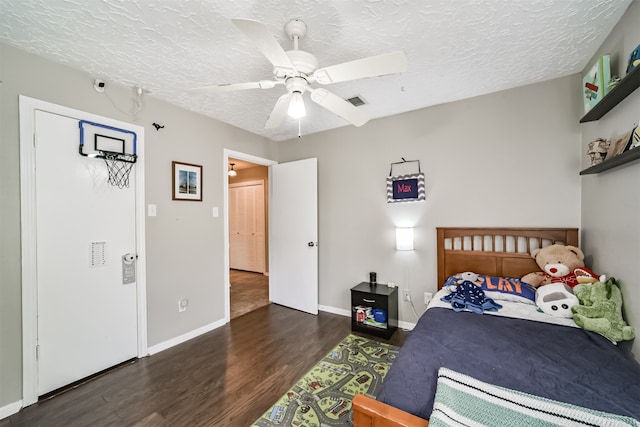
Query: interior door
[[87, 316], [247, 226], [293, 235]]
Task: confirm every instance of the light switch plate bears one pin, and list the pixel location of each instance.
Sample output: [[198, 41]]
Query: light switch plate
[[151, 210]]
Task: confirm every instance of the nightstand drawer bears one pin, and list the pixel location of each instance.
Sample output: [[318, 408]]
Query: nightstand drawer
[[359, 298]]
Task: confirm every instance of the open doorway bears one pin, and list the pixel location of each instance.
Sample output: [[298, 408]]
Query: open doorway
[[248, 195]]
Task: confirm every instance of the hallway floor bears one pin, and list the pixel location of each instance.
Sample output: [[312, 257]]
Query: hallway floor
[[249, 291]]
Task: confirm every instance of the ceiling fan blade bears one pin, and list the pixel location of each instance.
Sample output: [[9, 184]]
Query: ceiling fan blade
[[339, 106], [266, 43], [228, 87], [279, 112], [373, 66]]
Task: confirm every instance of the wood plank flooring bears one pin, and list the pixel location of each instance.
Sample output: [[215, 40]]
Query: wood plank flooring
[[249, 291], [227, 377]]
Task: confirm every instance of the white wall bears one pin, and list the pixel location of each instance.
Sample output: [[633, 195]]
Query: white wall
[[611, 200], [185, 249], [505, 159]]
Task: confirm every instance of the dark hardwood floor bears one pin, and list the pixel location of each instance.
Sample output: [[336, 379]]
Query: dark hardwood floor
[[249, 291], [226, 377]]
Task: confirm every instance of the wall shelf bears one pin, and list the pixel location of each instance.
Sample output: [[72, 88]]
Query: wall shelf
[[624, 88], [619, 160]]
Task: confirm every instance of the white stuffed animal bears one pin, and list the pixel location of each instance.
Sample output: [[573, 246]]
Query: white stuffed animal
[[556, 299]]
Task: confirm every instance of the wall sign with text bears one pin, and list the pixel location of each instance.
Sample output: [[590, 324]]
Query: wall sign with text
[[406, 188]]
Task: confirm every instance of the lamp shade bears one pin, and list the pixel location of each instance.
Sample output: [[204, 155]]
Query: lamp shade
[[404, 239], [296, 106]]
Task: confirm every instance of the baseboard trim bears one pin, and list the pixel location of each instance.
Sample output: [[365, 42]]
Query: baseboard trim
[[334, 310], [10, 409], [342, 312], [154, 349]]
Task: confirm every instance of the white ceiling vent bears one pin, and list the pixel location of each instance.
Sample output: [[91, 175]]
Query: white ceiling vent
[[356, 101]]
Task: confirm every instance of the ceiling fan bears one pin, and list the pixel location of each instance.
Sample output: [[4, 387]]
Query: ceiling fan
[[297, 69]]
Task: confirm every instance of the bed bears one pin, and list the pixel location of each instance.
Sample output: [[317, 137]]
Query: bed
[[547, 360]]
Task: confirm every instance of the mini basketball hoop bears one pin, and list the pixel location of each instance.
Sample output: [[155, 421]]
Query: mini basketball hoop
[[119, 167], [117, 147]]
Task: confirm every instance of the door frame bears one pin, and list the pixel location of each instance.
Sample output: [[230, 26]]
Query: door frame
[[225, 197], [27, 107]]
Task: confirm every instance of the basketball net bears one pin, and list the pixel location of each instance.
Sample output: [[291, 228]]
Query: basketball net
[[119, 167]]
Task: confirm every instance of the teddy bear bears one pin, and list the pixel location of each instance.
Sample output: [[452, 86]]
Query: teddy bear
[[558, 263], [600, 310]]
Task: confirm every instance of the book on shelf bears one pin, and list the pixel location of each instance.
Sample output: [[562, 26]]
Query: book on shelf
[[595, 83]]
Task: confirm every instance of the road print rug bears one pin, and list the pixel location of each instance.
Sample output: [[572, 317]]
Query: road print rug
[[323, 396]]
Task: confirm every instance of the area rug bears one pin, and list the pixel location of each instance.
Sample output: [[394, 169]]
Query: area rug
[[322, 397]]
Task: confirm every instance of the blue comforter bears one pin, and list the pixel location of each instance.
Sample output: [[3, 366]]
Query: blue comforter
[[557, 362]]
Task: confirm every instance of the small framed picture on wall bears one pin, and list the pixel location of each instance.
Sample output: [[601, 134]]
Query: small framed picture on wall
[[187, 181]]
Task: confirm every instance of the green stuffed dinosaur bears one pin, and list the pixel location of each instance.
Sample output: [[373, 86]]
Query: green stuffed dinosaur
[[600, 310]]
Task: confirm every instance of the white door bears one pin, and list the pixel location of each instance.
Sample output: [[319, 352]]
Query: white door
[[293, 235], [87, 316], [247, 227]]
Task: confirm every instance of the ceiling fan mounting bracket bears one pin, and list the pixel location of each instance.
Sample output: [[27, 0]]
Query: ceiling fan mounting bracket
[[296, 28]]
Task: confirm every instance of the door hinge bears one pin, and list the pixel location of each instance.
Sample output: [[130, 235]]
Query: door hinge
[[37, 352]]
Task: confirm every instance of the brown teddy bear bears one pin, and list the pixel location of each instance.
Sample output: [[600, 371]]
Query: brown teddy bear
[[558, 264]]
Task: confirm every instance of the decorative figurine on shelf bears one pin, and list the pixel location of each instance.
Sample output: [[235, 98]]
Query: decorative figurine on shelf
[[598, 150], [613, 83]]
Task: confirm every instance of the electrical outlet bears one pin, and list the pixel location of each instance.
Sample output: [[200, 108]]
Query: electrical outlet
[[427, 297], [406, 294], [182, 305]]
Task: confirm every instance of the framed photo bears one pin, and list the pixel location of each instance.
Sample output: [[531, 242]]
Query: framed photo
[[405, 188], [187, 181], [635, 138], [619, 145]]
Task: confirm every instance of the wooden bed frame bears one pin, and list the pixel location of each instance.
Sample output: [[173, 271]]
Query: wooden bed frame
[[489, 251]]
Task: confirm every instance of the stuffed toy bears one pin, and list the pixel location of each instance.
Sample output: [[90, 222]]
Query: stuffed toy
[[466, 295], [600, 310], [557, 263], [556, 299]]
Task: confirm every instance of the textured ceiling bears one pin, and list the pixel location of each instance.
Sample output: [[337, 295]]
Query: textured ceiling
[[455, 49]]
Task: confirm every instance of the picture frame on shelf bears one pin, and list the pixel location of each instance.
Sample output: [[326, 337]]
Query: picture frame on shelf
[[619, 145], [595, 84], [635, 138], [187, 181]]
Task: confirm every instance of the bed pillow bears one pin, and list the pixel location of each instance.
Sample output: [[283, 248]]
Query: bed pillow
[[502, 288]]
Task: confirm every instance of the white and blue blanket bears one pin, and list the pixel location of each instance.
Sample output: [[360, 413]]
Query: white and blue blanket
[[465, 401]]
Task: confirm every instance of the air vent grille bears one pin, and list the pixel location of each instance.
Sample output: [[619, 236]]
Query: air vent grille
[[356, 101]]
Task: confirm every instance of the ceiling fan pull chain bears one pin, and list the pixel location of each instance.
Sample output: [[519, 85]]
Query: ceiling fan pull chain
[[299, 128]]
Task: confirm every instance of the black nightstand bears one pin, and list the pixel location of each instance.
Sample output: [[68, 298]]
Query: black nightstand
[[374, 309]]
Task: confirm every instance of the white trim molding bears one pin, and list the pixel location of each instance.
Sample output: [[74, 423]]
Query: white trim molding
[[10, 409], [225, 214], [154, 349]]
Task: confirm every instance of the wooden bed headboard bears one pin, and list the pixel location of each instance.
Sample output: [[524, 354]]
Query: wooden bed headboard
[[495, 251]]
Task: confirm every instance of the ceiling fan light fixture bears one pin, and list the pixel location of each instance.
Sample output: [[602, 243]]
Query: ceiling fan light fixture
[[296, 106], [232, 172]]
